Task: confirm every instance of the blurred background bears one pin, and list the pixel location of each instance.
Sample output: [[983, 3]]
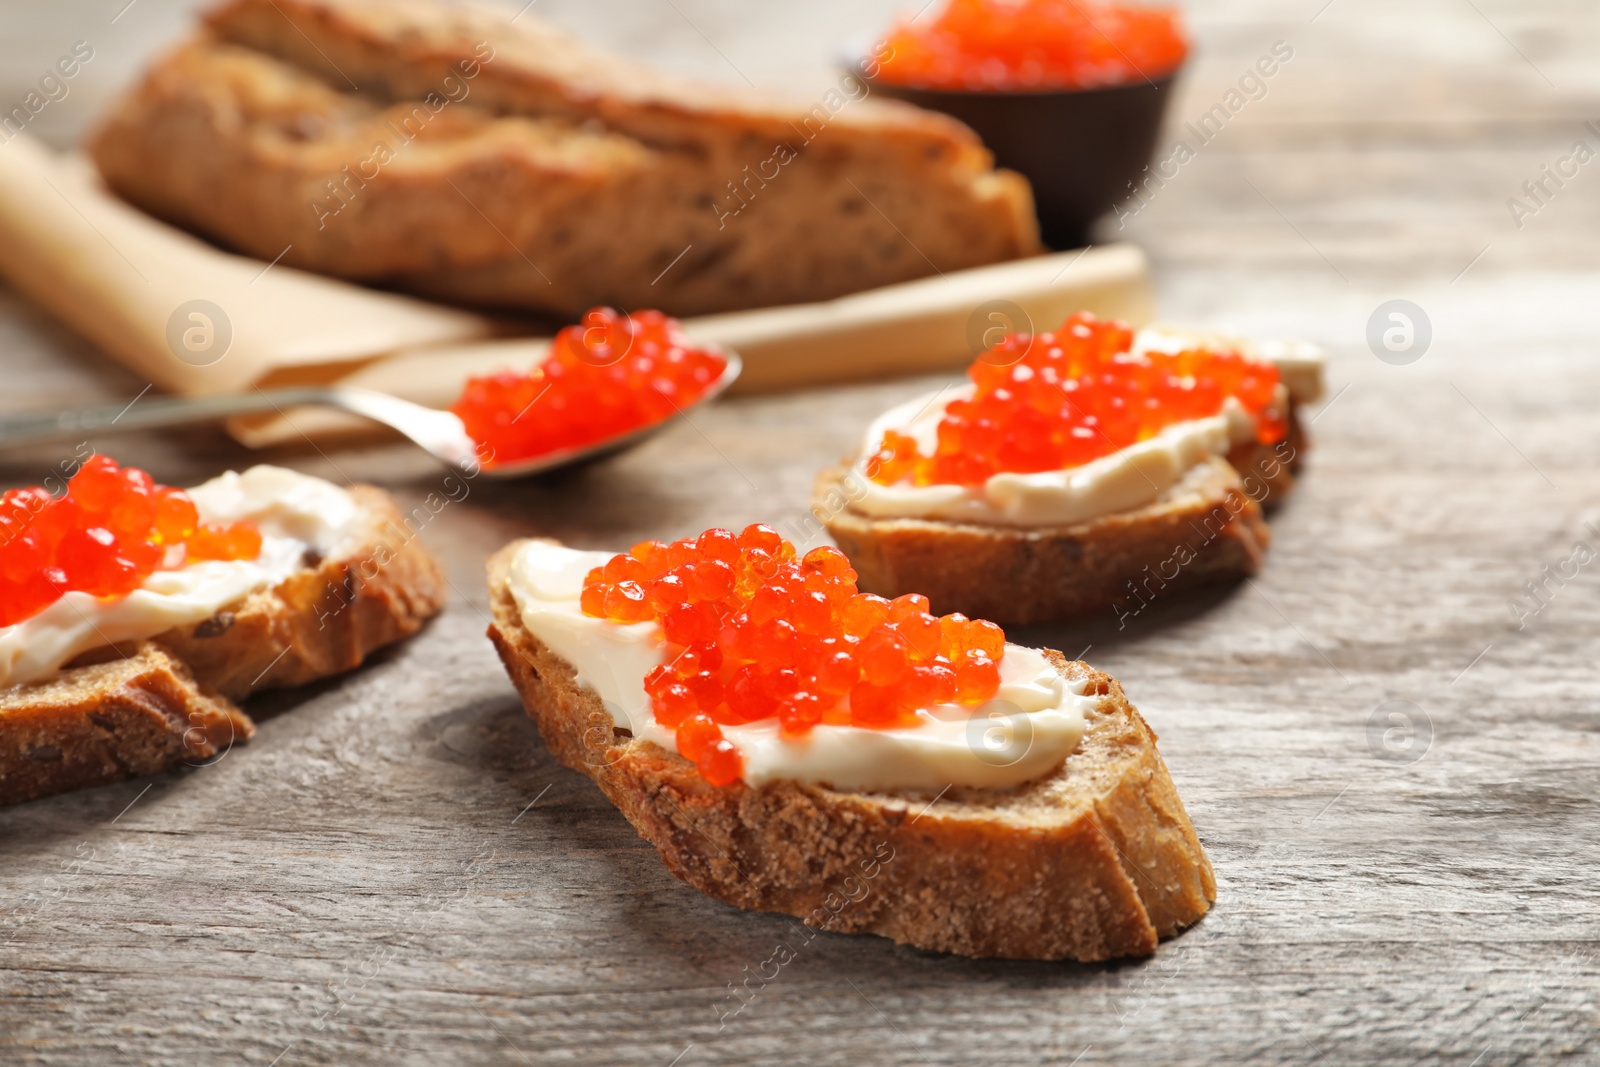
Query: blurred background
[[1395, 126], [1382, 157]]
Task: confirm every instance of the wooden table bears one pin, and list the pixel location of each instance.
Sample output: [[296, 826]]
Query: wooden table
[[395, 870]]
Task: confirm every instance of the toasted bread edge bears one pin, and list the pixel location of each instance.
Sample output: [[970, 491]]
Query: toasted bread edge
[[104, 722], [1209, 533], [325, 619]]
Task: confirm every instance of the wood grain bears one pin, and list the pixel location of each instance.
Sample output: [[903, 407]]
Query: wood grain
[[395, 871]]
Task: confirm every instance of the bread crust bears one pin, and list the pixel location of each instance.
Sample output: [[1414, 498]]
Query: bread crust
[[554, 177], [322, 620], [1095, 861], [1016, 576], [141, 714], [154, 705], [1269, 472]]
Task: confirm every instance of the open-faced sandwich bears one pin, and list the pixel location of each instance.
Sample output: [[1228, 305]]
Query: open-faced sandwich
[[789, 744], [1085, 470], [479, 155], [133, 614]]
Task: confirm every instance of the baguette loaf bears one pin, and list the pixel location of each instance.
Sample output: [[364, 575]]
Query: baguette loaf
[[446, 150], [153, 705], [1094, 861]]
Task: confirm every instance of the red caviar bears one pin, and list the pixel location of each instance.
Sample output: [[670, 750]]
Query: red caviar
[[1023, 45], [607, 375], [105, 535], [1059, 400], [754, 633]]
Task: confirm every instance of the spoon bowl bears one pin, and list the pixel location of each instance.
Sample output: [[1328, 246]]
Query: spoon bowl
[[439, 433], [565, 457]]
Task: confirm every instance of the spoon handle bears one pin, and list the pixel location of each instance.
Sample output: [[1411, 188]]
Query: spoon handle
[[147, 414]]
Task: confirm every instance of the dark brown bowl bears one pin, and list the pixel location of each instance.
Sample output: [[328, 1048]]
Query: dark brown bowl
[[1082, 149]]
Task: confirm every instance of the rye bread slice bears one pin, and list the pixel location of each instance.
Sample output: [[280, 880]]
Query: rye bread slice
[[520, 167], [1201, 531], [152, 706], [102, 722], [1094, 861], [324, 619]]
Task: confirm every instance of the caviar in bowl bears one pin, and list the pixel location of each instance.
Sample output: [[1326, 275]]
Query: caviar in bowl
[[1069, 93]]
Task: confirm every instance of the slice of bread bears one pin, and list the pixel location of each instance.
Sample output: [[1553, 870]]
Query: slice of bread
[[1094, 861], [142, 713], [447, 150], [1203, 530], [326, 618], [153, 705]]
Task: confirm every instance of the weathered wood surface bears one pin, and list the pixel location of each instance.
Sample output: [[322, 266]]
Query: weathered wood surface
[[395, 870]]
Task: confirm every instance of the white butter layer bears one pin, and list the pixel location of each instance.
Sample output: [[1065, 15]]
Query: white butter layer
[[1300, 363], [1126, 479], [1033, 723], [295, 512]]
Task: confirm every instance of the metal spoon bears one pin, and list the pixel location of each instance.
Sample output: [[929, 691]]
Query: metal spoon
[[439, 433]]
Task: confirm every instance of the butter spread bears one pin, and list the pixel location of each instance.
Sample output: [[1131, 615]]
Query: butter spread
[[1035, 720]]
